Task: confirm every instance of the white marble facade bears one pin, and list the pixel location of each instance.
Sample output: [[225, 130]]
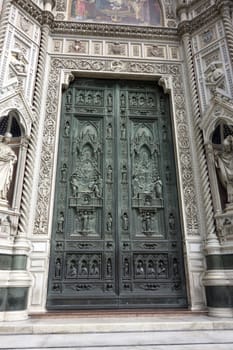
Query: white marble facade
[[190, 56]]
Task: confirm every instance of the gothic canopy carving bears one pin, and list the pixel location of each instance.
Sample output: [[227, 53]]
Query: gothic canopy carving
[[17, 103], [220, 110]]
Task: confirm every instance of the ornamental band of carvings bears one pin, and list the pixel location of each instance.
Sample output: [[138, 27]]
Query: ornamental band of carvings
[[154, 69]]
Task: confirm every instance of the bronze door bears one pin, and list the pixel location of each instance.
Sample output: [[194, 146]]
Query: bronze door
[[116, 238]]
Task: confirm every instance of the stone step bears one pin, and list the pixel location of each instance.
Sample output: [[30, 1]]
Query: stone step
[[118, 332]]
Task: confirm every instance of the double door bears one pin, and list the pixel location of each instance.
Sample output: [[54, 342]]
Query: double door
[[116, 240]]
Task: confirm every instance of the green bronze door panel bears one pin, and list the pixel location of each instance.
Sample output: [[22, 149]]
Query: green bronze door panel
[[116, 240]]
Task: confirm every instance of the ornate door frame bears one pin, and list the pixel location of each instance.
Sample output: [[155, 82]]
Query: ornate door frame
[[170, 77]]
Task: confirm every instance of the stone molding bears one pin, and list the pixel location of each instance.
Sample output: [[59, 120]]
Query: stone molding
[[190, 26], [109, 30], [125, 67]]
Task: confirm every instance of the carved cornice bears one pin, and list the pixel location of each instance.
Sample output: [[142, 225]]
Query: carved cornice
[[199, 21], [42, 17], [113, 30], [30, 8]]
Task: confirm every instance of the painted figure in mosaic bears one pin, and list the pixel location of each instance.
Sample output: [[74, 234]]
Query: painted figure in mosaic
[[7, 161], [224, 165]]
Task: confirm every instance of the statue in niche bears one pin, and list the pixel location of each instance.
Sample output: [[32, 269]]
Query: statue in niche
[[7, 161], [60, 222], [123, 131], [67, 128], [161, 268], [109, 100], [109, 222], [158, 186], [133, 101], [150, 101], [72, 270], [97, 99], [64, 172], [74, 184], [171, 222], [124, 173], [224, 165], [94, 270], [139, 268], [136, 187], [109, 268], [69, 97], [85, 221], [109, 130], [58, 268], [83, 268], [80, 98], [146, 222], [150, 268], [175, 267], [89, 99], [123, 100], [125, 222], [141, 100], [109, 173], [126, 267]]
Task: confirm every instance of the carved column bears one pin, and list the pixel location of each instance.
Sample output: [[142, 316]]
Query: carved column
[[30, 169], [4, 17], [204, 185], [225, 8]]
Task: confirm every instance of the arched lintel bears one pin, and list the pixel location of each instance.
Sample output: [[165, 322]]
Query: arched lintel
[[17, 106]]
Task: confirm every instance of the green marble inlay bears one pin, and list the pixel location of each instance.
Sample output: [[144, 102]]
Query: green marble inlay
[[13, 298], [219, 296], [13, 262], [219, 262]]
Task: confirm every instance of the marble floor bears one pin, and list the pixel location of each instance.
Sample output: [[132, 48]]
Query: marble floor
[[135, 332]]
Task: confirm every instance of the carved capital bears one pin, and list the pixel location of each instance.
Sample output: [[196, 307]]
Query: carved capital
[[47, 18], [68, 77], [166, 84], [223, 5], [184, 28]]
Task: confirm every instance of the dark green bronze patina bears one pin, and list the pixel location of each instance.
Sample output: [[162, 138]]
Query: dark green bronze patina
[[116, 240]]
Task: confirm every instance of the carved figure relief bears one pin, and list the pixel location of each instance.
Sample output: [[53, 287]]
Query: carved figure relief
[[67, 128], [114, 238], [224, 166], [77, 46], [109, 222], [214, 76], [7, 160], [60, 222], [116, 49], [58, 268], [109, 173], [125, 222], [109, 268], [64, 172], [18, 62]]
